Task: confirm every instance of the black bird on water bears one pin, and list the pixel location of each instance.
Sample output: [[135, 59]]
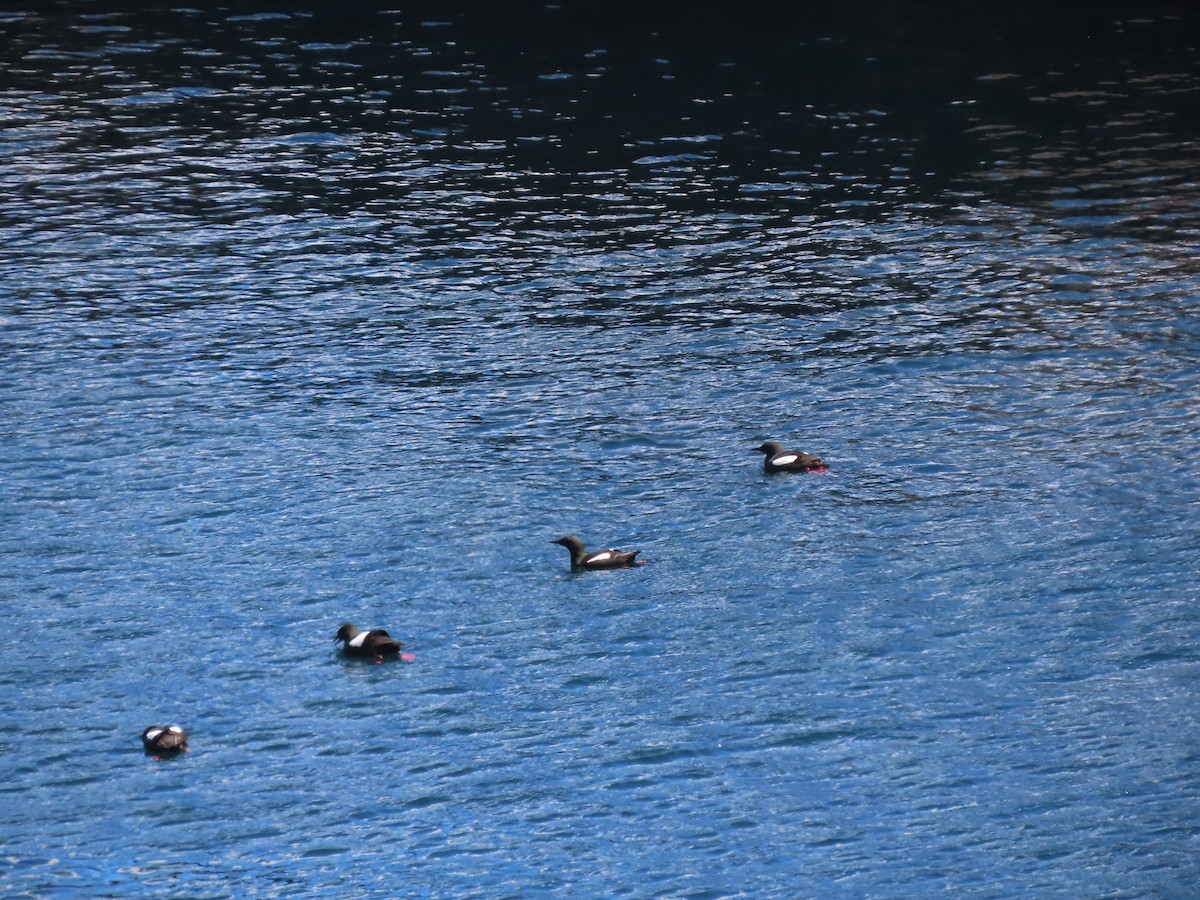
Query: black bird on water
[[164, 740], [376, 642], [600, 559], [781, 460]]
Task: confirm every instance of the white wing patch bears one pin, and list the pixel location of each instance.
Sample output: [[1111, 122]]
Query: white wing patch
[[784, 459], [357, 640], [153, 733], [602, 556], [175, 729]]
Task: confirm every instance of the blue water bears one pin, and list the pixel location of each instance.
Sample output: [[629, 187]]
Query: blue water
[[309, 317]]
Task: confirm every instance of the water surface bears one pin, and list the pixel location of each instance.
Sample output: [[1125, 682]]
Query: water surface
[[311, 316]]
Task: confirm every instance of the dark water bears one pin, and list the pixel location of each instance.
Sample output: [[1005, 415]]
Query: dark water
[[324, 314]]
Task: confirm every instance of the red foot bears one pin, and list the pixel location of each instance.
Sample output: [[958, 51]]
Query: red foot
[[407, 657]]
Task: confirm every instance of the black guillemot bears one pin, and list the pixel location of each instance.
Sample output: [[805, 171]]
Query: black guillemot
[[376, 642], [164, 740], [780, 460], [601, 559]]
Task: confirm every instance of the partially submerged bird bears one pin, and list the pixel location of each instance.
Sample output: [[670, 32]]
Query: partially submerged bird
[[600, 559], [781, 460], [376, 642], [164, 740]]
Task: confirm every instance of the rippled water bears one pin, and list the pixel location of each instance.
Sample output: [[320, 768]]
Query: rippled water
[[325, 315]]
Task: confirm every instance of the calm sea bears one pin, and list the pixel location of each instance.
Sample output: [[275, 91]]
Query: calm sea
[[313, 314]]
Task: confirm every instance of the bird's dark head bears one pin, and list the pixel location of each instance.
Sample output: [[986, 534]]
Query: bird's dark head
[[570, 541], [346, 633], [770, 448]]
